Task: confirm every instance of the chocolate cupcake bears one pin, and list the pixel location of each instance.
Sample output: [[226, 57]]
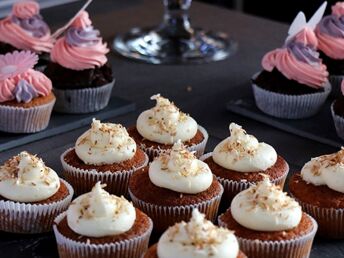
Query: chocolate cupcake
[[81, 75], [269, 224], [294, 83], [98, 224], [240, 161], [337, 111], [158, 128], [319, 188], [196, 238], [31, 195], [173, 185], [26, 100]]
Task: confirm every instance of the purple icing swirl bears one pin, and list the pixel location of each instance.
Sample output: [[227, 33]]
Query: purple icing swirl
[[82, 36], [332, 25], [304, 53], [25, 92], [34, 25]]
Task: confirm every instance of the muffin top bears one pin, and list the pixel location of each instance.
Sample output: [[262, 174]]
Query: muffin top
[[330, 32], [179, 170], [24, 28], [265, 207], [165, 123], [81, 47], [18, 80], [25, 178], [243, 153], [326, 170], [105, 143], [99, 214], [197, 238]]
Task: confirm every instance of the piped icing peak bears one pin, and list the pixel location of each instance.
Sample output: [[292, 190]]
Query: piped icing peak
[[197, 238], [265, 207], [179, 170], [25, 178], [243, 153], [105, 143], [82, 47], [99, 214], [326, 170], [165, 123]]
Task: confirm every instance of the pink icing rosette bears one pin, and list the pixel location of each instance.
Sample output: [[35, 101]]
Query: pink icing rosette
[[25, 9]]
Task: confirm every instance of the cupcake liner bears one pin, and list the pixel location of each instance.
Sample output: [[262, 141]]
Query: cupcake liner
[[299, 247], [336, 81], [338, 122], [81, 101], [83, 180], [166, 216], [29, 218], [25, 120], [129, 248], [198, 148], [289, 106]]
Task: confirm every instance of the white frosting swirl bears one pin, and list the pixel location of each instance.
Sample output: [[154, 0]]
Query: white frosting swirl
[[198, 238], [243, 153], [265, 207], [99, 214], [165, 123], [105, 143], [25, 178], [326, 170], [179, 170]]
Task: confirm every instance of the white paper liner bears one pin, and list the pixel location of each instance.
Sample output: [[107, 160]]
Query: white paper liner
[[295, 248], [29, 218], [198, 148], [130, 248], [289, 106], [83, 180], [165, 216], [338, 122], [336, 81], [25, 120], [81, 101]]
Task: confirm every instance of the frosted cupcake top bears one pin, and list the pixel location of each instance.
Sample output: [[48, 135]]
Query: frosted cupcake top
[[165, 123], [179, 170], [25, 178], [82, 47], [326, 170], [265, 207], [243, 153], [18, 80], [105, 143], [99, 214], [25, 28], [197, 238]]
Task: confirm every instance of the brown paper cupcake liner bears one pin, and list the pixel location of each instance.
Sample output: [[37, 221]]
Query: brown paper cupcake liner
[[25, 120], [197, 148], [299, 247], [130, 248], [166, 216], [289, 106], [336, 82], [338, 122], [81, 101], [29, 218], [83, 180]]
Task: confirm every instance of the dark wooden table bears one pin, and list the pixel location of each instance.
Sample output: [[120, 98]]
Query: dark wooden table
[[211, 86]]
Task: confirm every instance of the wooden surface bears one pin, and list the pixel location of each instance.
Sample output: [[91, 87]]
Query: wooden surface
[[211, 85]]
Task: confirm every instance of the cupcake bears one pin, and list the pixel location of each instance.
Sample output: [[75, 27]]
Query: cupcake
[[240, 161], [173, 185], [103, 153], [26, 100], [196, 238], [337, 111], [158, 128], [294, 83], [330, 33], [98, 224], [25, 29], [81, 75], [319, 188], [269, 224], [31, 195]]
